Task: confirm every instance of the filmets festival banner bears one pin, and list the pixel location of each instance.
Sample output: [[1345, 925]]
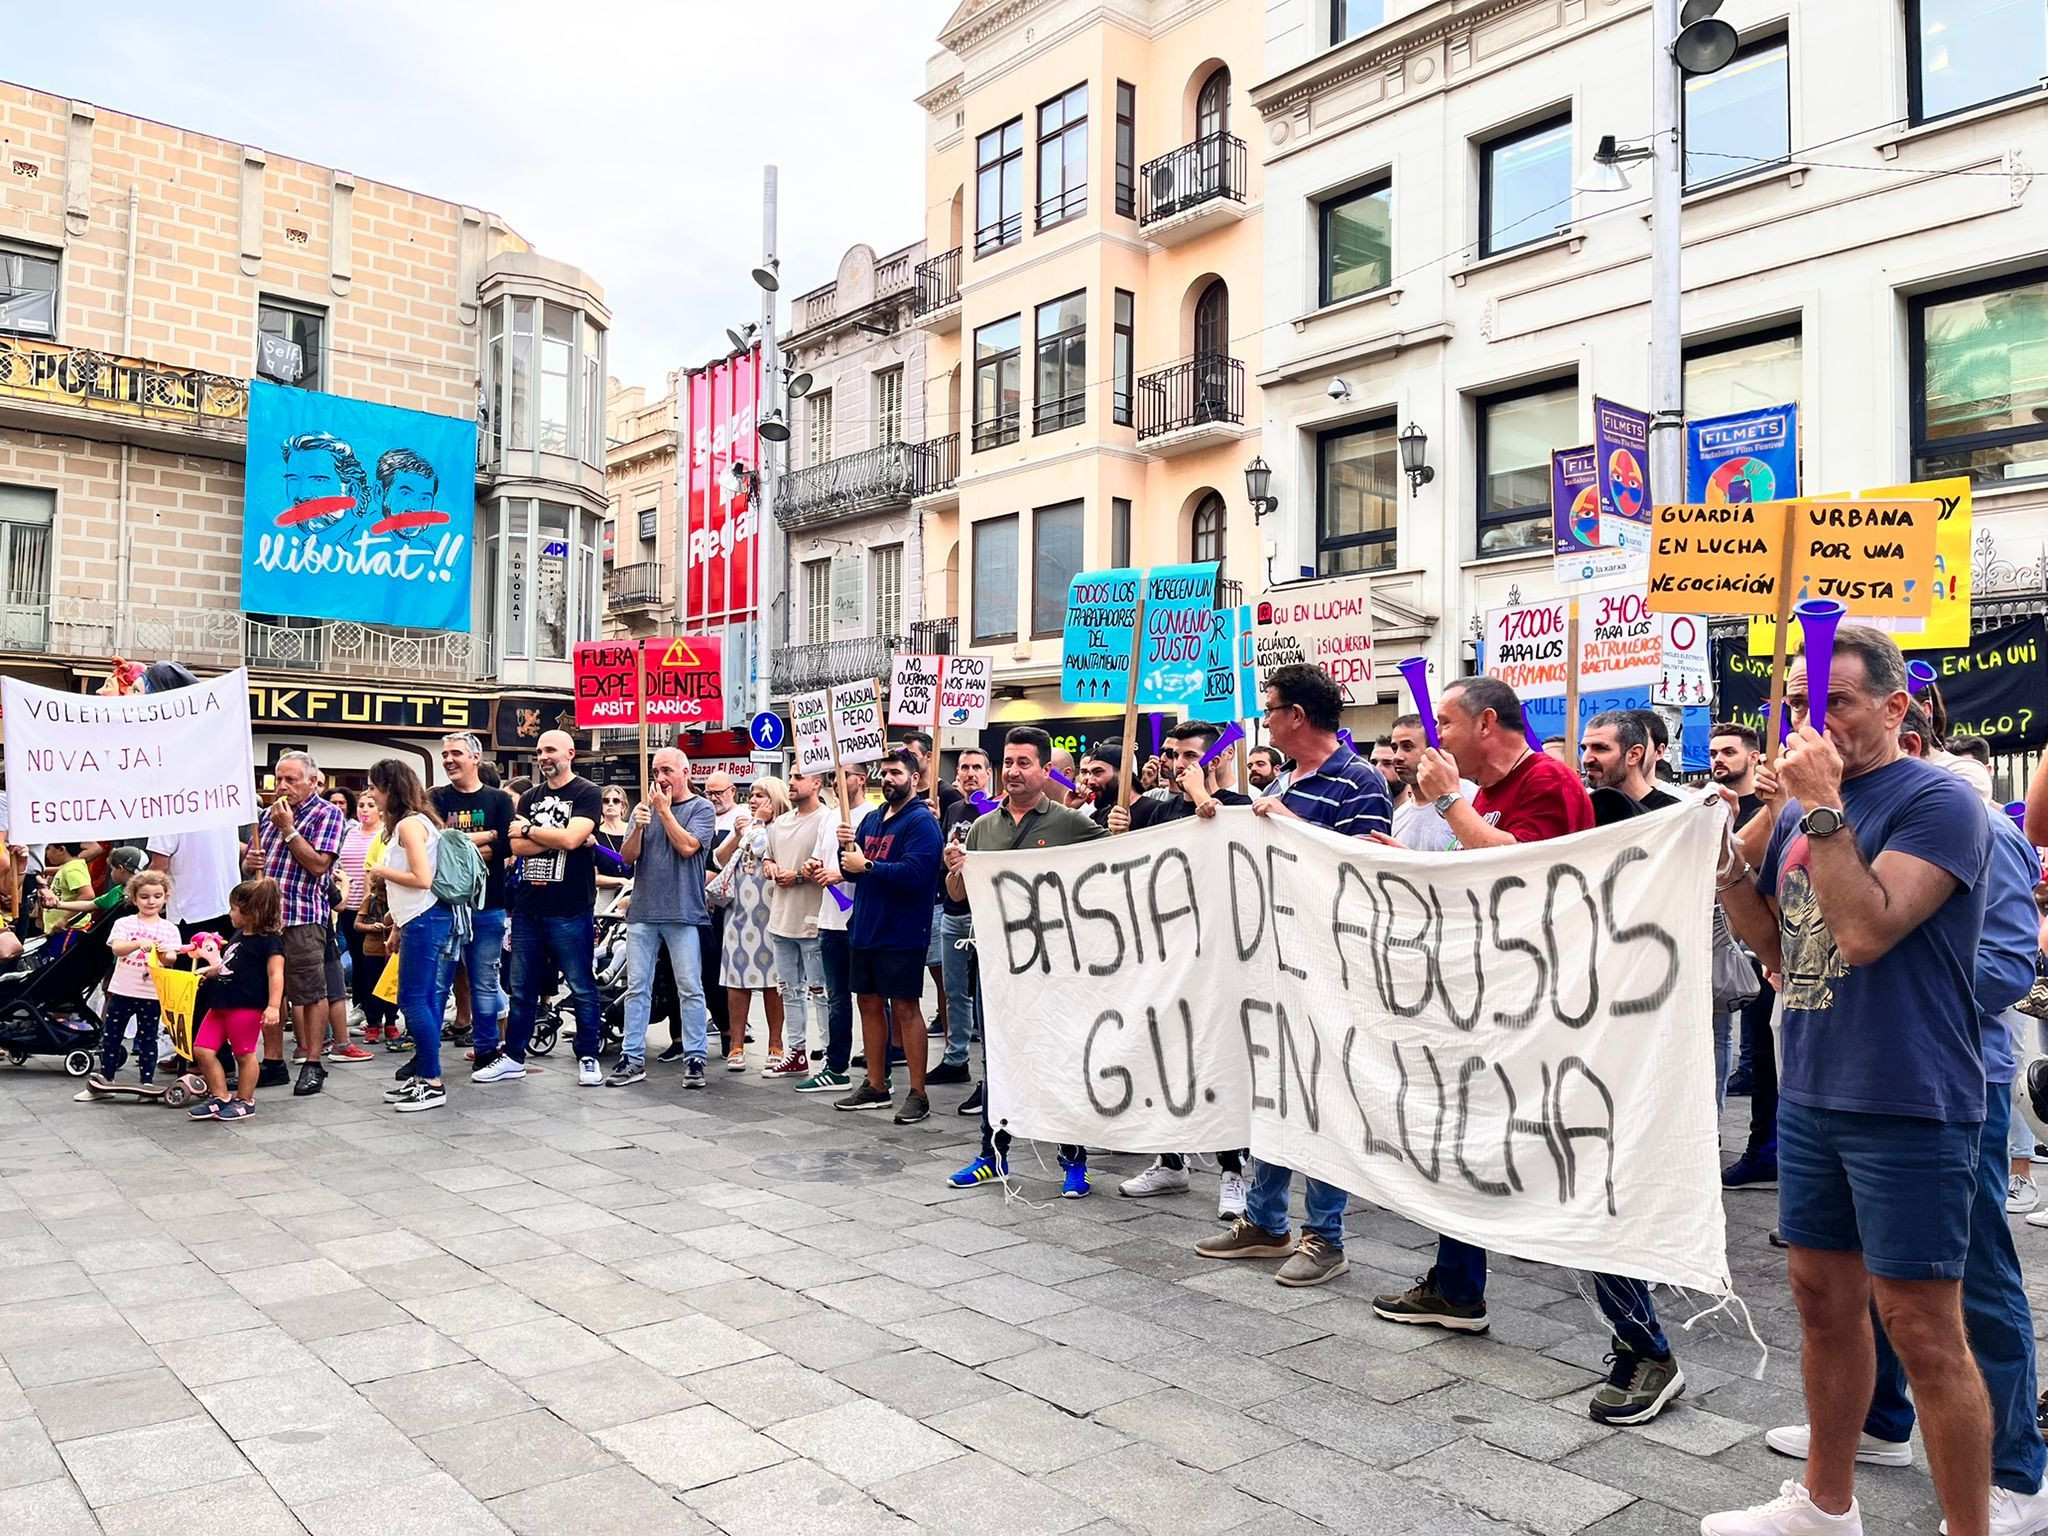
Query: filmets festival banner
[[357, 511]]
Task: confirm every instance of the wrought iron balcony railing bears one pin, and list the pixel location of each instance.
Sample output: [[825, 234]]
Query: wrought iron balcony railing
[[934, 637], [134, 388], [1194, 392], [1210, 168], [642, 585], [938, 465], [938, 283], [851, 483], [806, 668]]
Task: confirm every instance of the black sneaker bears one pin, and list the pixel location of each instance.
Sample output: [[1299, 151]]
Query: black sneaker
[[1423, 1303], [673, 1053], [693, 1072], [949, 1072], [273, 1073], [971, 1105], [1637, 1389], [866, 1095], [406, 1069], [916, 1107], [934, 1030], [2041, 1416], [312, 1078], [626, 1073]]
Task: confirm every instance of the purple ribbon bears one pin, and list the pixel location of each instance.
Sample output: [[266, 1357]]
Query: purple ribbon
[[1233, 733]]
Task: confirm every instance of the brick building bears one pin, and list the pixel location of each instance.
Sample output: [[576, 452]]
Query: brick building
[[146, 273]]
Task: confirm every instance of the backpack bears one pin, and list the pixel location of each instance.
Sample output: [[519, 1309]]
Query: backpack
[[459, 880]]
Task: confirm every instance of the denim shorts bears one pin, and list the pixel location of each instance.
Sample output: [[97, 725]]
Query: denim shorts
[[1894, 1187]]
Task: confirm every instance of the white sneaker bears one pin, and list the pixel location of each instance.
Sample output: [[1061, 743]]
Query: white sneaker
[[2014, 1514], [1791, 1513], [503, 1070], [1230, 1197], [2037, 1218], [587, 1074], [1792, 1440], [2020, 1195], [1156, 1180]]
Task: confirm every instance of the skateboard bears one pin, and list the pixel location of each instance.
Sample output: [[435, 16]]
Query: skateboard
[[177, 1093]]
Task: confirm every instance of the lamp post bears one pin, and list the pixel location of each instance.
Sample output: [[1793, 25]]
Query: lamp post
[[769, 403]]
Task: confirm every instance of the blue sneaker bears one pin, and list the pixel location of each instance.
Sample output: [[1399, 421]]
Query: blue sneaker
[[205, 1109], [1752, 1170], [1075, 1185], [980, 1171]]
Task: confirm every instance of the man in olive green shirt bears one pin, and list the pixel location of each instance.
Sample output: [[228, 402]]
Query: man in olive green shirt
[[1027, 818]]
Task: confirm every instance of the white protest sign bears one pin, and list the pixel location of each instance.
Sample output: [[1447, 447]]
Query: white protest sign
[[1328, 624], [810, 727], [1622, 646], [1683, 677], [943, 692], [1525, 648], [914, 689], [93, 766], [963, 693], [855, 709], [1511, 1046]]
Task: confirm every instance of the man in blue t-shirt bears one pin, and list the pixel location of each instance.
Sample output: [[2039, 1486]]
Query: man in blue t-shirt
[[1869, 902], [672, 833]]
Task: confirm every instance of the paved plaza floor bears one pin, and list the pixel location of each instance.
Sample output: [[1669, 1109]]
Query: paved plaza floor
[[553, 1309]]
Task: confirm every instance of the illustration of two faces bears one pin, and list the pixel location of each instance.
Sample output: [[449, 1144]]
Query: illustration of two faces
[[327, 488]]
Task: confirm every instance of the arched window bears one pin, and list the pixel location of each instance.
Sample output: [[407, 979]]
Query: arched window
[[1212, 106], [1206, 531], [1212, 353]]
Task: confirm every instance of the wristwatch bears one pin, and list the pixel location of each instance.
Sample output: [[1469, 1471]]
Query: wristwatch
[[1822, 821], [1444, 803]]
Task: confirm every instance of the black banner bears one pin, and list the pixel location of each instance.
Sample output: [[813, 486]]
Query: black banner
[[1997, 689]]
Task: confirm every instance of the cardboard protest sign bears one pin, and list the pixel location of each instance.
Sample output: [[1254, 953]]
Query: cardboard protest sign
[[938, 692], [1622, 645], [810, 728], [1095, 656], [1461, 1039], [98, 766], [1230, 691], [1328, 624], [683, 681], [852, 712], [1173, 663], [1872, 556], [1750, 456]]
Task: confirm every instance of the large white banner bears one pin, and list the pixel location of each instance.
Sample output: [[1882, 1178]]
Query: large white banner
[[90, 766], [1512, 1046]]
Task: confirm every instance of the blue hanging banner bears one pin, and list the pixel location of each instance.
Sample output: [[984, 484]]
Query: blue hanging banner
[[1750, 456], [358, 511]]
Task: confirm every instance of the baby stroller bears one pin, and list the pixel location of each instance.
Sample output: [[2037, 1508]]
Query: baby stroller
[[46, 1002]]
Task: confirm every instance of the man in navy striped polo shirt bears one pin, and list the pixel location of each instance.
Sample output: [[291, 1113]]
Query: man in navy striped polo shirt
[[1333, 787]]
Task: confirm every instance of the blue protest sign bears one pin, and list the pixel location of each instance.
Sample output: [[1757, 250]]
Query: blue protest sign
[[1231, 688], [1173, 666], [357, 511], [1750, 456], [1546, 719], [1095, 654], [765, 731]]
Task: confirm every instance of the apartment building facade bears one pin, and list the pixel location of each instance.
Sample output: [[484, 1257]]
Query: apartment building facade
[[1094, 300], [147, 273], [1878, 255]]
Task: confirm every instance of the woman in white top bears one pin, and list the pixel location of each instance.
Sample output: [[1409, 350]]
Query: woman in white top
[[413, 834]]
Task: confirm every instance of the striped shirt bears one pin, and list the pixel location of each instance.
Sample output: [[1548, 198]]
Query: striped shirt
[[1346, 794]]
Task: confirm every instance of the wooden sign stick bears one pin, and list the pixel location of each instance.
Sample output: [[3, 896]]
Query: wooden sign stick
[[832, 735], [1785, 558], [938, 713], [1130, 771], [640, 708], [1571, 685]]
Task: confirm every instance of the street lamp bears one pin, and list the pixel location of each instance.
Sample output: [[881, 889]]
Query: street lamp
[[767, 276], [1258, 488], [773, 428], [1414, 445]]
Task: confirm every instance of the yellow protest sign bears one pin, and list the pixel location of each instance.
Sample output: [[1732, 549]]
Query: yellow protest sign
[[1945, 624], [1872, 555], [1725, 559]]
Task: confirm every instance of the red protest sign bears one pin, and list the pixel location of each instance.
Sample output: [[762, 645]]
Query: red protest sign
[[684, 681]]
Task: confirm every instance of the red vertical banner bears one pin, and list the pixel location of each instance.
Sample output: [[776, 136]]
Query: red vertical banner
[[722, 413], [696, 499]]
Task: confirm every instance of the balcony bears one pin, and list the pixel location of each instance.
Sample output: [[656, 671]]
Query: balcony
[[1194, 404], [933, 637], [868, 481], [937, 306], [632, 587], [1194, 189], [48, 386], [936, 485], [223, 638], [806, 668]]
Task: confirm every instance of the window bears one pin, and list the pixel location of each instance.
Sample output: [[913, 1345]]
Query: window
[[557, 359], [995, 580], [28, 291], [1357, 242], [999, 187], [888, 584], [997, 385], [1964, 53], [1744, 373], [551, 585], [1525, 185], [1119, 531], [889, 406], [288, 338], [1354, 18], [817, 602], [1123, 348], [1740, 119], [26, 513], [522, 373], [1517, 431], [1357, 502], [1205, 531], [1980, 380], [1126, 150], [593, 393], [1055, 562], [1211, 383], [818, 406], [1063, 157], [1061, 399], [1212, 106]]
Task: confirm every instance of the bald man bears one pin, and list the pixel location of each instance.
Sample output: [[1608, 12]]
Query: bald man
[[554, 923], [672, 829]]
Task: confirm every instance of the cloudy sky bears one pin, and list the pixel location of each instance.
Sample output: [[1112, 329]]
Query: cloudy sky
[[625, 136]]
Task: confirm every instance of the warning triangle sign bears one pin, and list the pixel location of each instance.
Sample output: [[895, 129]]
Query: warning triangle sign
[[679, 654]]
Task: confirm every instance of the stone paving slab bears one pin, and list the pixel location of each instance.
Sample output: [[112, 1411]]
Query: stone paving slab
[[632, 1312]]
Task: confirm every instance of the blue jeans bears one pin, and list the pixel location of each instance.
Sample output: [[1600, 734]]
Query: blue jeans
[[482, 958], [1266, 1204], [425, 952], [541, 945], [2000, 1324], [1626, 1304], [837, 956], [799, 969], [1723, 1033], [644, 943], [958, 965]]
